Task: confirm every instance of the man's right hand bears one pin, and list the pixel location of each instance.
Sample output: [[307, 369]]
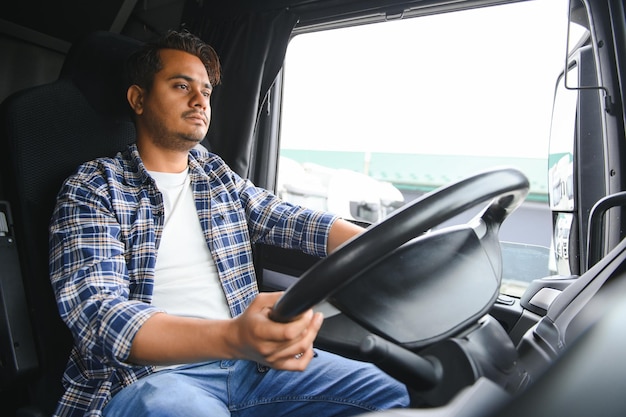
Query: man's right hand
[[165, 339], [286, 346]]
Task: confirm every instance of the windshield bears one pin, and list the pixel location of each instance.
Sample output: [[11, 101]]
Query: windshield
[[376, 115]]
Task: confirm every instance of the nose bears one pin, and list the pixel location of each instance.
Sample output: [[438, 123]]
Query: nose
[[200, 100]]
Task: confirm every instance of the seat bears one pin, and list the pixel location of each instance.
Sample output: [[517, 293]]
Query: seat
[[47, 131]]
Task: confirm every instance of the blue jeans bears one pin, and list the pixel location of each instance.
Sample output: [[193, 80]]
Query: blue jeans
[[330, 386]]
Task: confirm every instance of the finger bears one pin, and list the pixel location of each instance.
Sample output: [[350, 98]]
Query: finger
[[317, 321], [301, 360], [281, 331], [299, 327], [300, 348], [308, 335], [267, 299]]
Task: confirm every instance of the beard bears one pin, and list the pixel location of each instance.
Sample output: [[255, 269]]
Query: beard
[[177, 141], [165, 138]]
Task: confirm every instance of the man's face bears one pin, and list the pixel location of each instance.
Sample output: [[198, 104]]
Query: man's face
[[176, 112]]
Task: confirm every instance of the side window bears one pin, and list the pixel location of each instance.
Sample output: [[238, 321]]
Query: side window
[[561, 168], [376, 115]]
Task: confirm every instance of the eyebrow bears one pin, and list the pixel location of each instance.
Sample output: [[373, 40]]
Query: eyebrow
[[189, 79]]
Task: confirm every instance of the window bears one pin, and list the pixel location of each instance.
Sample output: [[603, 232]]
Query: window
[[376, 115]]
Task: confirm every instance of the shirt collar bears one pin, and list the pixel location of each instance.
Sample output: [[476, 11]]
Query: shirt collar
[[137, 174]]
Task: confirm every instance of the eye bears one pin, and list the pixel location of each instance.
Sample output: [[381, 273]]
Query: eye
[[182, 86]]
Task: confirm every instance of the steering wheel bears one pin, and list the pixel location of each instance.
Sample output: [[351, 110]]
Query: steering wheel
[[344, 265], [395, 273]]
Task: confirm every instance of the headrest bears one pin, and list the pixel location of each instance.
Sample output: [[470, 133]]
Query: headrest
[[96, 66]]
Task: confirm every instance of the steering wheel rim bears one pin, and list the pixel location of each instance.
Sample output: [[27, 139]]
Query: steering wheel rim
[[507, 187]]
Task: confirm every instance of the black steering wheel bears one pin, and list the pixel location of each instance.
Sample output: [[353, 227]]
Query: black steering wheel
[[506, 186], [395, 275]]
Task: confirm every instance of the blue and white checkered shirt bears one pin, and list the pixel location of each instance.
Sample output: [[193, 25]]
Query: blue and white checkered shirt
[[104, 237]]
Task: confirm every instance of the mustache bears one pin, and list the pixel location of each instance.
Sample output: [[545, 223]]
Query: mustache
[[191, 113]]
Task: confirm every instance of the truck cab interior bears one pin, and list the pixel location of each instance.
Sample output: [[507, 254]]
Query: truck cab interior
[[426, 298]]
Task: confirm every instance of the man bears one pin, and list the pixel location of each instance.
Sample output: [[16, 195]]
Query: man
[[152, 269]]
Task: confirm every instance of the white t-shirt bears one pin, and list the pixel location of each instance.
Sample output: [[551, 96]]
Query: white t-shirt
[[186, 279]]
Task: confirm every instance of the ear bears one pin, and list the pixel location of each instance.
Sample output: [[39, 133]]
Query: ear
[[135, 95]]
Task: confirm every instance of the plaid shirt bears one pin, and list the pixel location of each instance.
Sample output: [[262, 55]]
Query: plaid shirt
[[104, 237]]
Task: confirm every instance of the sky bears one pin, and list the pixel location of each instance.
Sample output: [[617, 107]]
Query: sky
[[441, 84]]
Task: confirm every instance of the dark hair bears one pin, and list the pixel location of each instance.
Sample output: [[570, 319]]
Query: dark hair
[[143, 64]]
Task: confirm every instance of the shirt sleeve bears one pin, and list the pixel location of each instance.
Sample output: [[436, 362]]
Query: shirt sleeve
[[89, 274], [277, 222]]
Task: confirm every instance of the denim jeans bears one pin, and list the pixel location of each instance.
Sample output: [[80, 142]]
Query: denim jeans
[[330, 386]]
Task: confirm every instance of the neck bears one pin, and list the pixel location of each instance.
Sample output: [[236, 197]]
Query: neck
[[163, 160]]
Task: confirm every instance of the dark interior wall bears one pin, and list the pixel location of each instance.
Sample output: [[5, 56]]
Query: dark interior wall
[[69, 20], [24, 65]]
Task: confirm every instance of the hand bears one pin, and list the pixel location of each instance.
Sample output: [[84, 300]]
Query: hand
[[287, 346]]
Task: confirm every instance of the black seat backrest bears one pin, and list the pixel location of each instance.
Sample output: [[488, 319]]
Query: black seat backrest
[[47, 131]]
